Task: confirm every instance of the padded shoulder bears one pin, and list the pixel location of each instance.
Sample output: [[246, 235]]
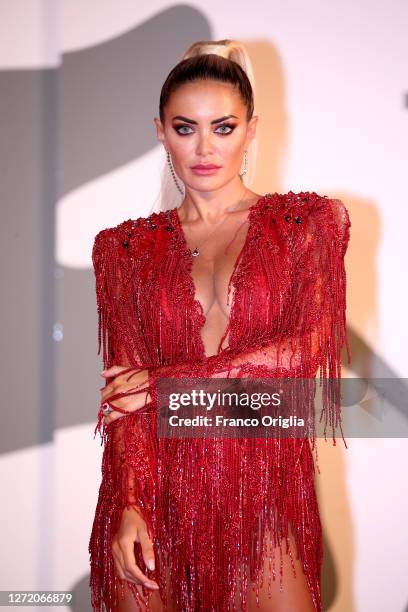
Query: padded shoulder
[[341, 218], [124, 237], [332, 221], [309, 220]]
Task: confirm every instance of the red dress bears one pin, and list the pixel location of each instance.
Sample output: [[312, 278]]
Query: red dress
[[208, 503]]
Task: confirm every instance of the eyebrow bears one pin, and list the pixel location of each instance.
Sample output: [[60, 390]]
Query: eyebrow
[[186, 120]]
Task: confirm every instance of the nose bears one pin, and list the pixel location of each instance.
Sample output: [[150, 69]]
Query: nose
[[205, 144]]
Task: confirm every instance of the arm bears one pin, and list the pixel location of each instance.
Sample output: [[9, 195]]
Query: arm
[[312, 335], [129, 443], [314, 329]]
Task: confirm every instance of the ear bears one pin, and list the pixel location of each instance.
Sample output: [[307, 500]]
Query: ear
[[251, 129], [159, 130]]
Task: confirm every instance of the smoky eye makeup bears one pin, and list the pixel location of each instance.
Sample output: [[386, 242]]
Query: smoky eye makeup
[[223, 128]]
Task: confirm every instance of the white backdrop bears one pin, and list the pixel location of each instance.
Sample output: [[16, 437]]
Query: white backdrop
[[330, 95]]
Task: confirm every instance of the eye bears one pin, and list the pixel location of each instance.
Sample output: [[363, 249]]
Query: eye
[[224, 129], [178, 129], [226, 125]]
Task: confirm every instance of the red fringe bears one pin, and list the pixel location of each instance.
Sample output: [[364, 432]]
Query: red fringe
[[208, 503]]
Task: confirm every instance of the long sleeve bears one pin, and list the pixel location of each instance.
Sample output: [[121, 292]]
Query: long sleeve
[[314, 329], [163, 480], [311, 336], [129, 462]]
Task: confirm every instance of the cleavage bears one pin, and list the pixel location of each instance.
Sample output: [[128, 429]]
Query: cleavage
[[211, 273]]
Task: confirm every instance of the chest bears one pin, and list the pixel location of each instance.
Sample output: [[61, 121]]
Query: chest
[[167, 296], [239, 284], [212, 270]]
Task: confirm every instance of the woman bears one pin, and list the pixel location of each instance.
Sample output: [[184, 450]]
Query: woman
[[227, 284]]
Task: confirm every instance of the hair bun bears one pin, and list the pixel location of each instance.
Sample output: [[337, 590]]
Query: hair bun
[[229, 48], [201, 47]]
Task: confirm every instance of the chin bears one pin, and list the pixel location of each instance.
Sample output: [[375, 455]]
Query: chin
[[205, 184], [210, 183]]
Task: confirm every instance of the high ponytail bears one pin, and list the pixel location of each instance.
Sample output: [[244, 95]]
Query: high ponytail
[[223, 60]]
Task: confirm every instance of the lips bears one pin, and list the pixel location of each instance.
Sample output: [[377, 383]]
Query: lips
[[205, 167]]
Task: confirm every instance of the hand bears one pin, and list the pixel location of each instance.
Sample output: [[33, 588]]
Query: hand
[[122, 384], [133, 529]]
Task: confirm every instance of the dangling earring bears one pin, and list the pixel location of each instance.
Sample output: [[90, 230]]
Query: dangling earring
[[173, 173], [245, 170]]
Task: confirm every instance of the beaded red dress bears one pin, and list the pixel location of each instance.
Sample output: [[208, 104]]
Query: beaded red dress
[[208, 503]]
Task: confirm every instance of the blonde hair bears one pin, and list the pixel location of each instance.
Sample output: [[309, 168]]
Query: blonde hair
[[240, 73]]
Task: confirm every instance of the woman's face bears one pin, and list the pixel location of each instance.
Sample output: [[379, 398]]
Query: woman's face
[[205, 123]]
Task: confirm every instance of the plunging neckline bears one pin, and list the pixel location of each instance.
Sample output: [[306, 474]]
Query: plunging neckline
[[188, 261]]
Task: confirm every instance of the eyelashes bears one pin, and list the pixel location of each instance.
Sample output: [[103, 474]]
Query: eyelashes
[[231, 127]]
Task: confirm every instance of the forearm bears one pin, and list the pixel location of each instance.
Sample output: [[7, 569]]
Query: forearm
[[264, 356], [132, 448]]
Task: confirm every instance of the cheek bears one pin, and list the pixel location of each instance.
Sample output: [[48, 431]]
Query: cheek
[[182, 149], [232, 145], [231, 150]]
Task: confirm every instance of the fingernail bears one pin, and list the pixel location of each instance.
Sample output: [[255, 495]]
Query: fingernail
[[151, 584]]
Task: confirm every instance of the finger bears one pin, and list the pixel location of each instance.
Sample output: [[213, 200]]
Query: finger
[[119, 561], [127, 406], [113, 371], [113, 416], [110, 388], [120, 564], [130, 567], [147, 548]]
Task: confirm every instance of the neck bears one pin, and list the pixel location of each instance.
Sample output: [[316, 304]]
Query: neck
[[211, 206]]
